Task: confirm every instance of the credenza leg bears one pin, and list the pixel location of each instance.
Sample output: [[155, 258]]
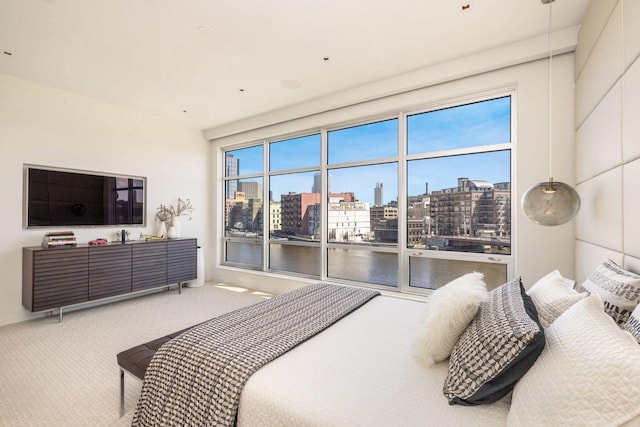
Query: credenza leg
[[60, 315], [121, 392]]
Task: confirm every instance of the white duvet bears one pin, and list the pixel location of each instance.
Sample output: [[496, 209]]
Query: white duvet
[[360, 372]]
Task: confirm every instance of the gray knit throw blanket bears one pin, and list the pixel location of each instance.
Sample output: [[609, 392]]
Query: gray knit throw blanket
[[196, 379]]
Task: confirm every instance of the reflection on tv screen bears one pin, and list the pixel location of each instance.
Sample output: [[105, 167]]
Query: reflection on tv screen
[[64, 198]]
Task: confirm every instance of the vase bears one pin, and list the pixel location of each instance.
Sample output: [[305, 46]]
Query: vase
[[176, 225], [171, 232], [162, 229]]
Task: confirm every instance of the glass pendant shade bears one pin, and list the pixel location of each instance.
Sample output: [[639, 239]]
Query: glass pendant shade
[[550, 203]]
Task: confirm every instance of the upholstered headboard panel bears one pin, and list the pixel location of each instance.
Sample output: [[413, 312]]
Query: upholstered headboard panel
[[608, 136]]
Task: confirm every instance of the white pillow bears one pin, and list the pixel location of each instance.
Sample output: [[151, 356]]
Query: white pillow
[[450, 309], [587, 374], [552, 297]]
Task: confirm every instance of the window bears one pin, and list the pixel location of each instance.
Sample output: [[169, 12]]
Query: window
[[376, 140], [294, 205], [351, 206], [405, 203], [459, 190], [360, 173], [295, 153], [463, 213], [294, 244], [243, 210], [470, 125]]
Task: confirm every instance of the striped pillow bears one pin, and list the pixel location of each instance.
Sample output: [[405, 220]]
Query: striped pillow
[[618, 288], [633, 324], [496, 349]]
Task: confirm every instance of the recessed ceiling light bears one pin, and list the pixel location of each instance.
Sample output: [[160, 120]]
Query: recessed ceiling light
[[466, 6], [241, 90], [205, 30], [291, 84], [6, 52], [326, 58]]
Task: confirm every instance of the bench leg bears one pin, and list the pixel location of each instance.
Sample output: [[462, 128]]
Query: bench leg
[[121, 392]]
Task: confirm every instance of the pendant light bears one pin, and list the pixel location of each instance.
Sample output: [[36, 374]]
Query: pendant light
[[550, 202]]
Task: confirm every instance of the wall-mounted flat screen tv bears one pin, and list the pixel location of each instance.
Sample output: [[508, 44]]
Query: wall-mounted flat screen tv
[[62, 197]]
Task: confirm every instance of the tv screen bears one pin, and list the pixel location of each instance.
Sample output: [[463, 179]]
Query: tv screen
[[58, 197]]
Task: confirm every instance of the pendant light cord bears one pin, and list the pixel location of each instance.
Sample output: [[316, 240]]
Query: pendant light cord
[[549, 76]]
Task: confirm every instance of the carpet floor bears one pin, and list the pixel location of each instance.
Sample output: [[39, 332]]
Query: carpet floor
[[66, 374]]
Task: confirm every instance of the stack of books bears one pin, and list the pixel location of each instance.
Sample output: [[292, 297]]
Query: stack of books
[[54, 239]]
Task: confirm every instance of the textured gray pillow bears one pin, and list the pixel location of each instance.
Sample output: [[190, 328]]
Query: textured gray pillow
[[618, 288], [633, 324], [497, 349]]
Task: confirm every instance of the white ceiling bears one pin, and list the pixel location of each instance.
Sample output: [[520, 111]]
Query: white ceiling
[[205, 63]]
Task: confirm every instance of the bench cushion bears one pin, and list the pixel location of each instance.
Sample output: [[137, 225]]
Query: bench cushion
[[137, 359]]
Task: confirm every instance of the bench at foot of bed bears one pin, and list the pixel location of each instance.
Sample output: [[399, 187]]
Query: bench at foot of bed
[[136, 360]]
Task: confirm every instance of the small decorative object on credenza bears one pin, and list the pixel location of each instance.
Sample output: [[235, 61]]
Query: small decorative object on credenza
[[122, 236], [98, 242], [147, 237], [163, 215], [54, 239], [183, 208], [168, 217]]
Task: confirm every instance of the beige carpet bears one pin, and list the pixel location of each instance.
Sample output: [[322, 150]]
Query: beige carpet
[[65, 374]]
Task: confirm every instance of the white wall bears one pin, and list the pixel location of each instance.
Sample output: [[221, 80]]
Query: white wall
[[45, 126], [537, 249], [608, 136]]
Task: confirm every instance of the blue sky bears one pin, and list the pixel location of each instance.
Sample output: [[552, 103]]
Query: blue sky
[[470, 125]]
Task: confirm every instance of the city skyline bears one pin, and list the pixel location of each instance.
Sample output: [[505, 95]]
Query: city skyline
[[364, 189], [474, 216]]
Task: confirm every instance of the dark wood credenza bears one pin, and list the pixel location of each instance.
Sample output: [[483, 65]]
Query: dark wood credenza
[[54, 278]]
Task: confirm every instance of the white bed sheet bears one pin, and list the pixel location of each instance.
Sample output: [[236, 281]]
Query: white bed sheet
[[360, 372]]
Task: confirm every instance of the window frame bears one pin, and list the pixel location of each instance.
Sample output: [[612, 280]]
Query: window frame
[[403, 158]]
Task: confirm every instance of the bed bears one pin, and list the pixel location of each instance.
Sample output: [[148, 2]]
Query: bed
[[362, 370]]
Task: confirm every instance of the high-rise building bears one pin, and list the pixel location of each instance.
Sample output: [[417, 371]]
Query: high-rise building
[[243, 214], [378, 194], [294, 212], [251, 189], [317, 183], [474, 208], [231, 168]]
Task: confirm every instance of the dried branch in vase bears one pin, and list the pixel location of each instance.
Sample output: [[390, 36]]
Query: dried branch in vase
[[183, 208], [164, 213]]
